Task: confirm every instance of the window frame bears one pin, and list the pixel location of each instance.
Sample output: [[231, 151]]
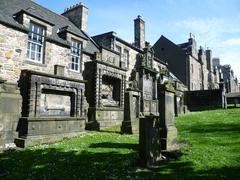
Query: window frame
[[77, 55], [41, 45], [126, 58], [118, 49]]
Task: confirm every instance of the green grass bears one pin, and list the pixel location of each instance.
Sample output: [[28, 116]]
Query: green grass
[[210, 146]]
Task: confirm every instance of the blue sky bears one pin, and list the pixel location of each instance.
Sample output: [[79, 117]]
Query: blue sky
[[215, 23]]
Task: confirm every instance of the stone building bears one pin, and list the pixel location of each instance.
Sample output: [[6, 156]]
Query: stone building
[[192, 66], [56, 81], [227, 74], [139, 71], [42, 55]]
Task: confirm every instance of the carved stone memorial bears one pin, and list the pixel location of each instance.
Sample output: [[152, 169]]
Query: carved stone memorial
[[106, 87], [52, 108]]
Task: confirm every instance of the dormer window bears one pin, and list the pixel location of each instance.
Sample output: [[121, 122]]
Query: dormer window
[[76, 48], [36, 39]]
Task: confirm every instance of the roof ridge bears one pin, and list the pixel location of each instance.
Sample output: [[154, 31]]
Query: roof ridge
[[48, 10]]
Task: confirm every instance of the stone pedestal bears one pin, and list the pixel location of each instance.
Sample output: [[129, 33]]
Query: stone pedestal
[[102, 118], [38, 130], [130, 124], [149, 141], [10, 111], [166, 109]]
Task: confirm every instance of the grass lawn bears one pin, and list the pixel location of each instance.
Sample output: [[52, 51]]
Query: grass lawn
[[210, 144]]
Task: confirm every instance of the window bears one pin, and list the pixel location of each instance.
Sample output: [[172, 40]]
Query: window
[[76, 48], [125, 57], [192, 67], [36, 43], [118, 49]]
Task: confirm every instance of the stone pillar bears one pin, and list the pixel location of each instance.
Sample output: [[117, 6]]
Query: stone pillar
[[10, 111], [166, 109], [223, 89], [149, 141], [130, 124]]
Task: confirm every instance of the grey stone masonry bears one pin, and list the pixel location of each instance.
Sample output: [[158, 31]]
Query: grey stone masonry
[[167, 124], [106, 87], [130, 124], [52, 106], [10, 111], [149, 141]]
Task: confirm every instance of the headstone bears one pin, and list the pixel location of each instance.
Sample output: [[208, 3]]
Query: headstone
[[167, 124], [10, 111], [149, 141], [223, 88], [130, 124]]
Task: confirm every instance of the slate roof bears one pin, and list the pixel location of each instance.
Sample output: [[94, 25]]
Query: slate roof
[[184, 46], [9, 8], [164, 39], [113, 34]]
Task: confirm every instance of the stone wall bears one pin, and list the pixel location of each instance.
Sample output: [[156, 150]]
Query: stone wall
[[195, 74], [13, 56], [205, 99], [133, 59]]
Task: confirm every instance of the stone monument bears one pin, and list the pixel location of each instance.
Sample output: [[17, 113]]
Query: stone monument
[[149, 141], [166, 108], [10, 111]]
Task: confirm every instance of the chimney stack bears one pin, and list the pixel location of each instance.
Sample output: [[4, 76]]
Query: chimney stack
[[139, 32], [78, 15], [209, 60]]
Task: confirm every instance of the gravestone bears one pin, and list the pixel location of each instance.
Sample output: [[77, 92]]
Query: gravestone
[[130, 124], [149, 141], [167, 124], [10, 111]]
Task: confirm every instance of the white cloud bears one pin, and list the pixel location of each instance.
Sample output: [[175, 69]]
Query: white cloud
[[221, 35], [231, 42]]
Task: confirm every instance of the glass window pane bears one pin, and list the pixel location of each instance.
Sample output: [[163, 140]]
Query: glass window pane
[[34, 38], [33, 47], [76, 67], [76, 60], [32, 55], [39, 48], [38, 57]]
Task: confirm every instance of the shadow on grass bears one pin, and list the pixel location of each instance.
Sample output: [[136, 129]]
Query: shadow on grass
[[233, 107], [216, 127], [111, 131], [115, 145], [53, 163]]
